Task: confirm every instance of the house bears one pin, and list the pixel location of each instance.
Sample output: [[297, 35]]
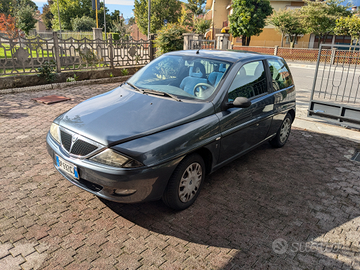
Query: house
[[136, 34], [219, 11], [39, 26]]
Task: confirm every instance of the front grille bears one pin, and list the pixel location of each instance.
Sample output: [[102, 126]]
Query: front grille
[[79, 147], [82, 148], [66, 140]]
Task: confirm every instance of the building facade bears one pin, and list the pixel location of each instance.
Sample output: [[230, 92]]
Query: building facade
[[220, 10]]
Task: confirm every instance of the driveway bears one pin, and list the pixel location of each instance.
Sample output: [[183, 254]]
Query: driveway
[[297, 207]]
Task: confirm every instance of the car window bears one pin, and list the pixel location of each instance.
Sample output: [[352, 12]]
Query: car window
[[250, 81], [280, 75], [189, 77]]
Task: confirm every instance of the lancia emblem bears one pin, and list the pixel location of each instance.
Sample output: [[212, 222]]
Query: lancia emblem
[[74, 139]]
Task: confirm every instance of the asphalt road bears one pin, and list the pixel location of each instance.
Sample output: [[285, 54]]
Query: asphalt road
[[303, 75]]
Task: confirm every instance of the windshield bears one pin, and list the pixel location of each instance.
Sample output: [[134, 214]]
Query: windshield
[[186, 77]]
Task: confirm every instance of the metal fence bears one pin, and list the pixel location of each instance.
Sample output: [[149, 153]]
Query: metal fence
[[202, 44], [24, 56], [335, 93]]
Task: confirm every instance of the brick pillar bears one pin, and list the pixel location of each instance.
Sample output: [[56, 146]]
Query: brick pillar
[[222, 41], [187, 38], [97, 33]]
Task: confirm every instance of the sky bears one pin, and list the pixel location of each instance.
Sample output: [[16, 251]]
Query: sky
[[124, 6]]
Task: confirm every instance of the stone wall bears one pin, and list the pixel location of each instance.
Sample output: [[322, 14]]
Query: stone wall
[[32, 80]]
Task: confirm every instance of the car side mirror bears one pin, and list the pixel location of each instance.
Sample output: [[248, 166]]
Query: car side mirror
[[240, 102]]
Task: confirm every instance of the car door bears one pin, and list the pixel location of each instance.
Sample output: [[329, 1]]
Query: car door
[[243, 128]]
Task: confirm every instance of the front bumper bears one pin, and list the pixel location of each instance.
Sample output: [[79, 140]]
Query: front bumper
[[149, 182]]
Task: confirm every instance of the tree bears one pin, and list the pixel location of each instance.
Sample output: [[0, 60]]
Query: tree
[[319, 17], [69, 9], [10, 7], [7, 25], [349, 26], [196, 6], [186, 18], [120, 27], [83, 24], [201, 25], [26, 17], [288, 23], [170, 38], [248, 18], [160, 11], [47, 15], [131, 21]]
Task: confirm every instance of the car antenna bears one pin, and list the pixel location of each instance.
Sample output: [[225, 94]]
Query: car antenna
[[197, 52]]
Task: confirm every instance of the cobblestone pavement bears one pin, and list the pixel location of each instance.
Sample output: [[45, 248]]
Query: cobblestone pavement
[[292, 208]]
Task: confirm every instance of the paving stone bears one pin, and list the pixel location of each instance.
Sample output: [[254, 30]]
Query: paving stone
[[306, 191], [4, 249], [11, 263]]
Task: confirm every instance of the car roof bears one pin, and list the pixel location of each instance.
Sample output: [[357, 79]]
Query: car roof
[[230, 56]]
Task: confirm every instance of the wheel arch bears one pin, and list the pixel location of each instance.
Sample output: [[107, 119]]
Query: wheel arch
[[292, 114], [206, 155]]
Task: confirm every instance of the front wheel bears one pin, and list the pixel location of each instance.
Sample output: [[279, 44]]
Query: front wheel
[[283, 133], [185, 183]]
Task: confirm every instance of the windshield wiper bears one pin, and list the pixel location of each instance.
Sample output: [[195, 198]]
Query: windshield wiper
[[136, 88], [160, 93], [154, 92]]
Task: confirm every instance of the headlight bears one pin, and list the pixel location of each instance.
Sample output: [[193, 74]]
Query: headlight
[[54, 131], [112, 158]]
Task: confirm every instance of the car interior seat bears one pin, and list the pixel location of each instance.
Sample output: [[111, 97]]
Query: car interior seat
[[197, 75], [215, 76]]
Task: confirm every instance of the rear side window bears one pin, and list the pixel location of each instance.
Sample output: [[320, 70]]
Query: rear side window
[[280, 75], [250, 81]]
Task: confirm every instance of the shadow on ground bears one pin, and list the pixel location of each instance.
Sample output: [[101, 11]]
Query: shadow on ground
[[302, 193]]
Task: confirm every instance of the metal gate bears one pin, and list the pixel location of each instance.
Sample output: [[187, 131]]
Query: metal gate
[[202, 44], [335, 94]]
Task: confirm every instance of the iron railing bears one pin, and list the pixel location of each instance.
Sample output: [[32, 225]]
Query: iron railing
[[202, 44], [26, 55], [335, 93]]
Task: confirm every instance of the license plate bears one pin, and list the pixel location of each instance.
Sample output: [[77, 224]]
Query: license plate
[[67, 167]]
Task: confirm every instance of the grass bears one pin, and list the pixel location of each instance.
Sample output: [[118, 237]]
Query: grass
[[34, 54]]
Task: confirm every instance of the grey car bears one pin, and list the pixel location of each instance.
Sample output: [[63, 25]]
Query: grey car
[[178, 119]]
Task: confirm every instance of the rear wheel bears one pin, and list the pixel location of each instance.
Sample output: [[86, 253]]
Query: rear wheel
[[283, 133], [185, 183]]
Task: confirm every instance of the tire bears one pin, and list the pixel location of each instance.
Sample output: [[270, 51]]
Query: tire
[[185, 183], [283, 133]]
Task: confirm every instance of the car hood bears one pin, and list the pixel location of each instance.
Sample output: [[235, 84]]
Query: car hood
[[122, 115]]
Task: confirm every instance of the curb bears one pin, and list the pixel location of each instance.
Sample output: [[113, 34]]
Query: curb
[[63, 85], [309, 124], [301, 65]]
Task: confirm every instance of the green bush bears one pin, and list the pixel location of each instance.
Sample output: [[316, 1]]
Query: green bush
[[46, 71], [201, 25], [170, 38], [124, 72], [83, 24], [116, 36]]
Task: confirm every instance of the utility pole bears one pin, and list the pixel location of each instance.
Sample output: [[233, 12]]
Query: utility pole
[[105, 20], [57, 2], [96, 9], [149, 17]]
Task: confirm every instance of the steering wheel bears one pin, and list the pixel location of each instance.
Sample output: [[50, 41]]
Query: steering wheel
[[203, 90]]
